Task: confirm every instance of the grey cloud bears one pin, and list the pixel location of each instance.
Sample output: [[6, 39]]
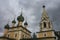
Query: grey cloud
[[55, 16], [32, 9]]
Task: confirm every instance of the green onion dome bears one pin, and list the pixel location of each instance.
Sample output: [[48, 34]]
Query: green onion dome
[[14, 21], [7, 26], [25, 23], [20, 18]]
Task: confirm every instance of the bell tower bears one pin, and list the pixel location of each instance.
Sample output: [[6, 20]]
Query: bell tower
[[45, 23], [46, 28]]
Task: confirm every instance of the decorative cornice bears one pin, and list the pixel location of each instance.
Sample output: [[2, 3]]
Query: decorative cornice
[[45, 31], [19, 30], [20, 26], [2, 37]]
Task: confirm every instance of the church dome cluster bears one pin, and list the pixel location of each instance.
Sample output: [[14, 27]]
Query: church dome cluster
[[20, 18]]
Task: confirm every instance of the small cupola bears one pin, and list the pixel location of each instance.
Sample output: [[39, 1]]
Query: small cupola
[[25, 23], [6, 26], [14, 21]]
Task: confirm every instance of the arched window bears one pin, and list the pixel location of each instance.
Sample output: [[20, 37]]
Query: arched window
[[41, 25], [8, 35], [23, 36], [44, 24], [49, 24], [16, 35], [45, 34]]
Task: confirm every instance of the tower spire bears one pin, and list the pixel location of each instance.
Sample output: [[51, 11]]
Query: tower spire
[[45, 23], [44, 13]]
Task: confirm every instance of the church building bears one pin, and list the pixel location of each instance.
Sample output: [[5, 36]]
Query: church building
[[17, 32]]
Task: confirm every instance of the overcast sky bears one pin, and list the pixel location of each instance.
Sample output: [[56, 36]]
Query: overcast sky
[[32, 11]]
